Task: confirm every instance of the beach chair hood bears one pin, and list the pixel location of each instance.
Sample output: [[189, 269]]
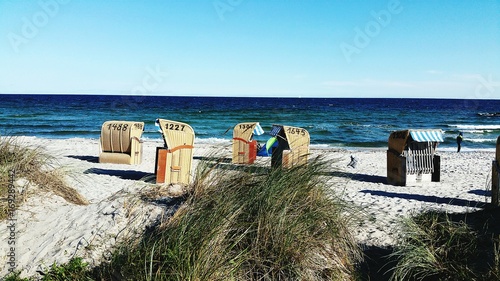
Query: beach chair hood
[[399, 140]]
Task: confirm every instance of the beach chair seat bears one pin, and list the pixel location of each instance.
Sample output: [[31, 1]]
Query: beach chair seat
[[174, 160], [244, 147], [120, 142]]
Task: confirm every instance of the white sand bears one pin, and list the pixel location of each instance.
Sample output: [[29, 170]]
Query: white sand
[[48, 229]]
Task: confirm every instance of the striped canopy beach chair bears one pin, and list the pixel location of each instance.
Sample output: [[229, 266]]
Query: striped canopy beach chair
[[174, 160], [244, 147], [293, 146], [120, 142], [412, 158]]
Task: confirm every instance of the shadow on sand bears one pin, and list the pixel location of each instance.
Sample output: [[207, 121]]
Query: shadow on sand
[[377, 263], [213, 159], [358, 177], [91, 159], [123, 174], [226, 164], [480, 192], [428, 198]]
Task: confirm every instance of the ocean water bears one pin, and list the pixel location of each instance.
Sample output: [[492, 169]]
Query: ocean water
[[335, 122]]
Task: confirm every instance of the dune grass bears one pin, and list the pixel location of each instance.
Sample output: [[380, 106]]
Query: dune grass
[[75, 270], [440, 246], [246, 225], [32, 164]]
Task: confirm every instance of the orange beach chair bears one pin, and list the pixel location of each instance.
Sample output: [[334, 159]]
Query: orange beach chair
[[174, 160], [244, 147]]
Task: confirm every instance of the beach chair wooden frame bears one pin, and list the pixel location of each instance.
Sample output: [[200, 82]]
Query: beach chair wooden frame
[[120, 142], [411, 157], [174, 161], [293, 146], [244, 147], [495, 176]]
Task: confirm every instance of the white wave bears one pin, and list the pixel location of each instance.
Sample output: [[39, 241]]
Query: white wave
[[464, 149], [476, 127], [212, 141], [477, 131], [197, 140], [320, 146], [470, 131], [481, 140]]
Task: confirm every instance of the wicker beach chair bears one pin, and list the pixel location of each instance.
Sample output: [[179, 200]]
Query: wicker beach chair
[[120, 142], [244, 147], [174, 160], [293, 146], [411, 156]]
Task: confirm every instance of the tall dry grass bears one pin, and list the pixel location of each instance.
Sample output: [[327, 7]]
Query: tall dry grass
[[246, 224], [36, 167], [438, 246]]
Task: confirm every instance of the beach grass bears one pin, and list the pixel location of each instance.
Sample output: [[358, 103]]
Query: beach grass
[[76, 270], [34, 166], [440, 246], [246, 224]]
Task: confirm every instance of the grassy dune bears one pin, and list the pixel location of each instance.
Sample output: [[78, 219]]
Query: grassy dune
[[254, 223], [36, 169], [246, 225], [441, 246]]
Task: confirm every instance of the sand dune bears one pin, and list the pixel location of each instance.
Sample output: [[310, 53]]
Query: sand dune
[[48, 229]]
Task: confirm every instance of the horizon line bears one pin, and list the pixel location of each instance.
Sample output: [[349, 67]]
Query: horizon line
[[240, 96]]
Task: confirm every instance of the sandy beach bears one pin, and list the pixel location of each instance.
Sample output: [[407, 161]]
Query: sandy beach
[[48, 229]]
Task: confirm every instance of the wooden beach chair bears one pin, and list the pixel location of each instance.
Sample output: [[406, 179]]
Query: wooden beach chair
[[495, 177], [120, 142], [293, 146], [244, 147], [174, 160], [411, 156]]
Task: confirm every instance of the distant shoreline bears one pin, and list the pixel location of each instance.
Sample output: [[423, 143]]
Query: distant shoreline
[[225, 142]]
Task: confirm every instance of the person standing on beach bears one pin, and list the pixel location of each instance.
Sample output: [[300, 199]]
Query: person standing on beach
[[459, 141]]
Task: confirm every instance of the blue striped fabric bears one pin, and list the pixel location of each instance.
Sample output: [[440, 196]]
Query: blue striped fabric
[[427, 135], [275, 130], [258, 130]]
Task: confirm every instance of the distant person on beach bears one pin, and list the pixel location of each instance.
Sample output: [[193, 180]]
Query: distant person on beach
[[460, 137], [353, 163]]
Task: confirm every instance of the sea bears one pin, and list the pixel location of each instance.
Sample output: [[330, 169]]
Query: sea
[[331, 122]]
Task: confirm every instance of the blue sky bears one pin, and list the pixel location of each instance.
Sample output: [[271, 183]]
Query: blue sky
[[331, 48]]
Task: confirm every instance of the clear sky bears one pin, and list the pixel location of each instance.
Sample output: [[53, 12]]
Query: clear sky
[[322, 48]]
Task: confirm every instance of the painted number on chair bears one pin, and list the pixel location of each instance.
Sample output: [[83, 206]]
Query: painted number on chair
[[296, 131], [175, 127], [118, 127], [246, 126]]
